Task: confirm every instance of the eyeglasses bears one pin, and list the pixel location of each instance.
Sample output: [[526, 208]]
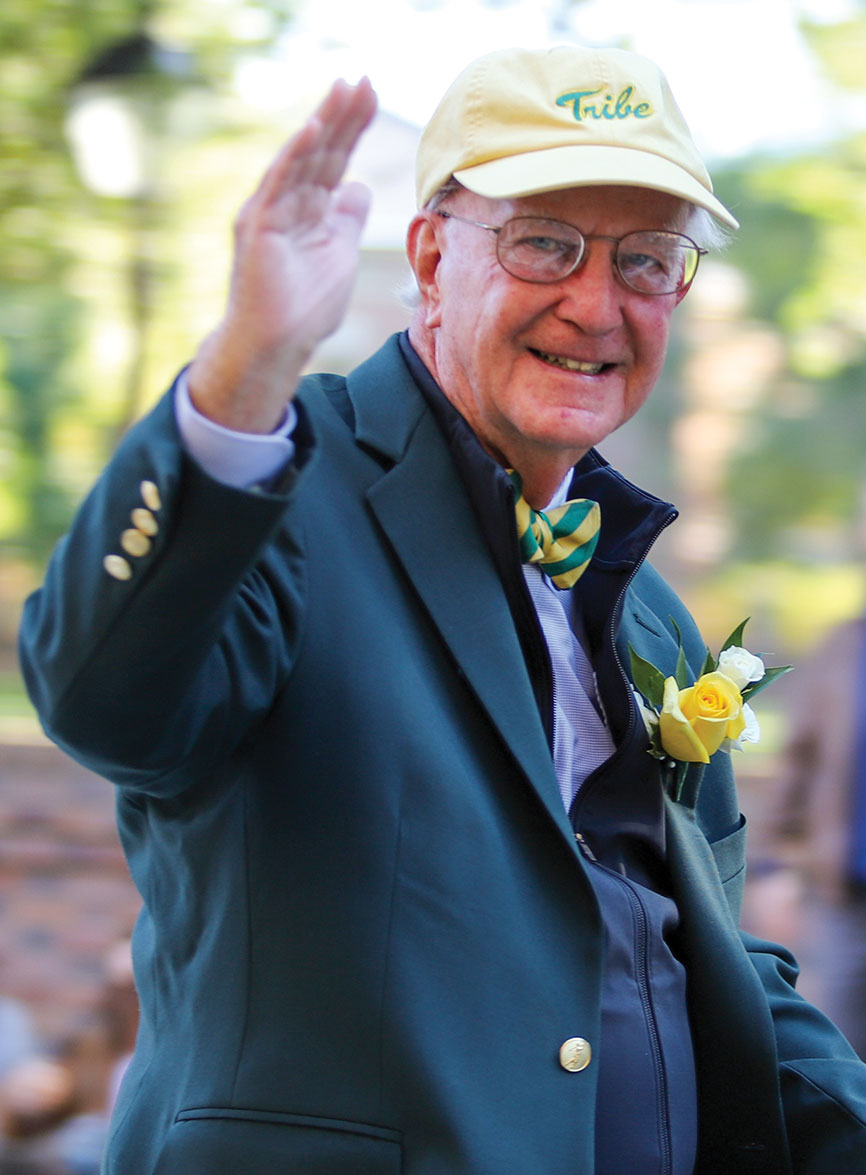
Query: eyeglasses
[[535, 249]]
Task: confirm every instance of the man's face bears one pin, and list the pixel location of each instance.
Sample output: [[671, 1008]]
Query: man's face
[[544, 372]]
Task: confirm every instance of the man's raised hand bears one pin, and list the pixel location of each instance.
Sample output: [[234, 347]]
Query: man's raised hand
[[295, 257]]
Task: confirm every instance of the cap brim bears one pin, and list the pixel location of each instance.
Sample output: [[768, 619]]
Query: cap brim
[[583, 166]]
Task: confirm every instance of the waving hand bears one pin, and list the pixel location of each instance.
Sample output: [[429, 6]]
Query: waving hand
[[295, 257]]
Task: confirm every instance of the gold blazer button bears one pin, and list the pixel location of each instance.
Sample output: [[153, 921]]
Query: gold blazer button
[[575, 1054], [150, 495], [135, 543], [117, 567], [144, 521]]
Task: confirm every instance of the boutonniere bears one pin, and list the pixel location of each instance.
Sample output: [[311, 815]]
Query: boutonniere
[[687, 721]]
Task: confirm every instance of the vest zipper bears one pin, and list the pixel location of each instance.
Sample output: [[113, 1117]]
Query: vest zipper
[[663, 525], [586, 850], [642, 969], [641, 955]]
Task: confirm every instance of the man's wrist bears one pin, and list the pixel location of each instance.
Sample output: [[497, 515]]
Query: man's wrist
[[241, 388], [234, 457]]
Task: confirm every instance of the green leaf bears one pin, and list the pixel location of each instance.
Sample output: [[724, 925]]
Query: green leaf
[[735, 640], [710, 663], [682, 673], [769, 675], [648, 680]]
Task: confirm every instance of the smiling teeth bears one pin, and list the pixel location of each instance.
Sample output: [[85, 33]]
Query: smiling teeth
[[571, 364]]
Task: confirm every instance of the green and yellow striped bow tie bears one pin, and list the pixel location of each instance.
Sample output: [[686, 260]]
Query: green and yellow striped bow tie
[[562, 540]]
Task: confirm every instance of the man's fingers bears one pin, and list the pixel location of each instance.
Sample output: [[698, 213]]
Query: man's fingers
[[353, 201], [351, 115], [343, 116], [318, 154]]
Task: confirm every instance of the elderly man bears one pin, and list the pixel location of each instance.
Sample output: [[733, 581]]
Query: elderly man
[[416, 896]]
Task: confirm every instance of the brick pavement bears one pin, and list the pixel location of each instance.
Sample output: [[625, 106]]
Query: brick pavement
[[66, 897]]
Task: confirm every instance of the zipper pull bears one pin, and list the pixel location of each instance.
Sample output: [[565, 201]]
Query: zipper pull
[[586, 850]]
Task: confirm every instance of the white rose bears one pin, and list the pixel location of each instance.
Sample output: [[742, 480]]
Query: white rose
[[752, 732], [741, 666], [650, 718]]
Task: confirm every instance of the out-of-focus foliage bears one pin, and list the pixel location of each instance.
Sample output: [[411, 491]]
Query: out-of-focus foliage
[[39, 45], [794, 486], [69, 260], [841, 48]]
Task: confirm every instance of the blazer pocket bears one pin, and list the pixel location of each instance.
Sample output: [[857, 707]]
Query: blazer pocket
[[729, 854], [216, 1140]]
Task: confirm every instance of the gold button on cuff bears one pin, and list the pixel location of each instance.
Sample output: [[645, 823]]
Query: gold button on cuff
[[135, 543], [144, 521], [150, 495], [117, 567], [575, 1054]]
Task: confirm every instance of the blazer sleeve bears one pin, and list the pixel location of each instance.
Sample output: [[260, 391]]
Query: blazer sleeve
[[150, 679], [822, 1080]]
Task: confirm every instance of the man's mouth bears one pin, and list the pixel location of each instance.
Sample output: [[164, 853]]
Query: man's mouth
[[576, 365]]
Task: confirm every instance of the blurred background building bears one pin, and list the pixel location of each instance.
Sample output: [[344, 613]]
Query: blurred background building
[[130, 133]]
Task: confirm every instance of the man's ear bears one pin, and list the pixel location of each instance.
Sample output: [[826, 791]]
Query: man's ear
[[422, 249]]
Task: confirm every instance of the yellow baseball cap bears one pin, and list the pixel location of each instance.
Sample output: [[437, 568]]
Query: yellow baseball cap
[[520, 121]]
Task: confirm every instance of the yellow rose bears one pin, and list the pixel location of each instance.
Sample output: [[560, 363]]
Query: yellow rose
[[694, 722]]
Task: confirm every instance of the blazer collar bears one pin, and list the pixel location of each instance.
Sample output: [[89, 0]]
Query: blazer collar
[[423, 508], [387, 402]]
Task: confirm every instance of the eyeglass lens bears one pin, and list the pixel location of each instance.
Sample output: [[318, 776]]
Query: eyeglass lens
[[540, 250]]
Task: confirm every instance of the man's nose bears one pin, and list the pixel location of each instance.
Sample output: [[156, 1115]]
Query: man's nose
[[592, 295]]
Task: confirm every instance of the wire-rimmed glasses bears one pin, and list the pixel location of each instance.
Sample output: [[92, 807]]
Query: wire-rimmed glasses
[[538, 249]]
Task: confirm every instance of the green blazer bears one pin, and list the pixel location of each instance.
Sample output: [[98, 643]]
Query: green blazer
[[367, 929]]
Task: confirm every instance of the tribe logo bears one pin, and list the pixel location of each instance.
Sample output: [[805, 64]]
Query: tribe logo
[[586, 104]]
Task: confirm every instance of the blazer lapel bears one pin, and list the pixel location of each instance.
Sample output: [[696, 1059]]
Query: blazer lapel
[[423, 509]]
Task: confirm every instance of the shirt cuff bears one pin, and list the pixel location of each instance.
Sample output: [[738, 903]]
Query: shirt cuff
[[239, 459]]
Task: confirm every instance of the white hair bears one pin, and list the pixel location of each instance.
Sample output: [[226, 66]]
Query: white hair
[[707, 232]]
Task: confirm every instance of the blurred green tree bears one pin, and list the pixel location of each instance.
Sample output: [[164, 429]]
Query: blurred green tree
[[62, 246], [794, 487]]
